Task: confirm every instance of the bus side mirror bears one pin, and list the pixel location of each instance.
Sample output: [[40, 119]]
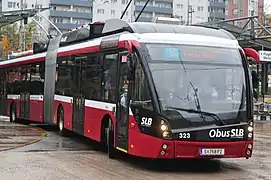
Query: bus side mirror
[[255, 79], [255, 83], [130, 64]]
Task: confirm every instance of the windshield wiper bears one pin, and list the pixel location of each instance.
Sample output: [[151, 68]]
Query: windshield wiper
[[214, 116]]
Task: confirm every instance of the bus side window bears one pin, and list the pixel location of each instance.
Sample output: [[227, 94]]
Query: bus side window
[[141, 94], [109, 77]]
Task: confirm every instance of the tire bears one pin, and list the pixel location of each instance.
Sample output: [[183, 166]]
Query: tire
[[13, 117], [60, 122], [111, 151]]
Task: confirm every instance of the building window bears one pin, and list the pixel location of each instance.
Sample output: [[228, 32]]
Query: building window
[[100, 11], [113, 12], [235, 11], [200, 8]]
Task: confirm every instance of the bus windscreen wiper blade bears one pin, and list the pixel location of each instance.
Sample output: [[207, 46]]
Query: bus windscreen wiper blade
[[214, 116]]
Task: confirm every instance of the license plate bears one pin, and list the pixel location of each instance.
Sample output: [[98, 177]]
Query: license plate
[[212, 152]]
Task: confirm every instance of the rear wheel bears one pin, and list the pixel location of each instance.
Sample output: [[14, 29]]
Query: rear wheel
[[60, 121], [12, 117], [111, 151]]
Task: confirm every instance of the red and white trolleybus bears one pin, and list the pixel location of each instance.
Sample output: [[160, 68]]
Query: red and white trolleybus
[[147, 89]]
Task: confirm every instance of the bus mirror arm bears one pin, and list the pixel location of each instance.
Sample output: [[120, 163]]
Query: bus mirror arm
[[255, 83], [130, 64]]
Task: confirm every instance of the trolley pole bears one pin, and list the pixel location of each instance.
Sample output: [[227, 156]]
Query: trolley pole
[[22, 29]]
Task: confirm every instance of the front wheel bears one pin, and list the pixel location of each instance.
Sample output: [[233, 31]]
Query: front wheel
[[111, 151]]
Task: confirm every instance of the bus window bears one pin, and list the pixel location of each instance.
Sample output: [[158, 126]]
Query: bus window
[[109, 77], [141, 93]]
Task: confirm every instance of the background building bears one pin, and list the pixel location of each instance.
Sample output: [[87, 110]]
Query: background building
[[199, 10], [69, 14], [244, 8], [103, 10]]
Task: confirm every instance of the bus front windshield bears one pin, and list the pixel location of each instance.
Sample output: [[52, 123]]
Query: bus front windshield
[[201, 78]]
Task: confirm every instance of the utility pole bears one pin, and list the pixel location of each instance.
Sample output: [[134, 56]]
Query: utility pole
[[22, 29], [190, 11]]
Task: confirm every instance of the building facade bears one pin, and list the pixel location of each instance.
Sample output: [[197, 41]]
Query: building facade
[[197, 11], [244, 8], [69, 14], [103, 10], [65, 14]]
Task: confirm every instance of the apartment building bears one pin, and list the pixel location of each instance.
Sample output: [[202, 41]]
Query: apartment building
[[244, 8], [197, 11], [69, 14], [103, 10]]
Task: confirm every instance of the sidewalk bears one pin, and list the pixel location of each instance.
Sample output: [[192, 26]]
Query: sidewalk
[[263, 125], [14, 135]]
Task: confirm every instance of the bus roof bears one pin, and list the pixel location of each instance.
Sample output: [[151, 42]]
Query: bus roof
[[139, 32]]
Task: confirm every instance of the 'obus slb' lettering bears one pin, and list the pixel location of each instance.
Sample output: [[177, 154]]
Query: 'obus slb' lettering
[[234, 133]]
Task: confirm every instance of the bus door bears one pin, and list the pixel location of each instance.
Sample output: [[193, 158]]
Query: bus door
[[3, 94], [25, 95], [78, 115], [122, 106]]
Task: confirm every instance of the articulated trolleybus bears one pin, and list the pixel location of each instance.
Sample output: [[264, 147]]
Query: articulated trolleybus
[[147, 89]]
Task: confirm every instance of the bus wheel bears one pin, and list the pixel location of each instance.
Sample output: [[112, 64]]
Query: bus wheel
[[110, 140], [60, 121], [12, 117]]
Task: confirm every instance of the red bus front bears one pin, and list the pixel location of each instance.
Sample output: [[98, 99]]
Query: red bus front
[[190, 102]]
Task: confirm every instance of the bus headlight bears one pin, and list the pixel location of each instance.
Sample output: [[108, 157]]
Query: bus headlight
[[250, 129], [165, 134], [164, 129], [250, 135]]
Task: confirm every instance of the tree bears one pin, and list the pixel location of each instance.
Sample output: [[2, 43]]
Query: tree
[[29, 31], [11, 37]]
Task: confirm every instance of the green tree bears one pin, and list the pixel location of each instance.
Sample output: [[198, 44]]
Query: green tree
[[29, 31], [11, 37], [10, 34]]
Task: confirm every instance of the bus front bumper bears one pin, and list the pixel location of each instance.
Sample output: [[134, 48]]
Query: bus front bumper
[[186, 149]]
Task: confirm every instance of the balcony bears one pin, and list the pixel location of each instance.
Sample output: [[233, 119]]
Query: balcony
[[217, 4], [145, 19], [72, 2], [81, 15], [218, 15], [154, 9]]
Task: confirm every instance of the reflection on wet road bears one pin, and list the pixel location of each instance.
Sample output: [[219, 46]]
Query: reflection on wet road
[[74, 158]]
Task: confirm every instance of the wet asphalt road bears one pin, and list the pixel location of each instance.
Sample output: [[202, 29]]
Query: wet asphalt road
[[75, 158]]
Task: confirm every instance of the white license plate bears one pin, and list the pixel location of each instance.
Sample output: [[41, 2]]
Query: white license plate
[[212, 152]]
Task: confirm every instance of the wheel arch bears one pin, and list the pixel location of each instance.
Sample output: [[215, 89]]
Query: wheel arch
[[105, 123]]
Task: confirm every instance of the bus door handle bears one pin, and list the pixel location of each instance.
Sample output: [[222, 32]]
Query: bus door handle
[[114, 110]]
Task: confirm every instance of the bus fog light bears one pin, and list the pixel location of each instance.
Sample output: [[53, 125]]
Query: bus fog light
[[249, 146], [163, 152], [164, 146], [164, 127], [250, 129], [248, 152], [249, 135]]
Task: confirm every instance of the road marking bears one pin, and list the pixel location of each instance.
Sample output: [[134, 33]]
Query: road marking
[[43, 134]]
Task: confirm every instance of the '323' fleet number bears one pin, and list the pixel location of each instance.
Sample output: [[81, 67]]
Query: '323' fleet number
[[184, 135]]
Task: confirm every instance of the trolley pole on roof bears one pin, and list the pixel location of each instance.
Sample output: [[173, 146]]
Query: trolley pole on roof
[[22, 30]]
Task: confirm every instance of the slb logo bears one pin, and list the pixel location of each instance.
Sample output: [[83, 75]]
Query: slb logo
[[234, 133], [146, 121]]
